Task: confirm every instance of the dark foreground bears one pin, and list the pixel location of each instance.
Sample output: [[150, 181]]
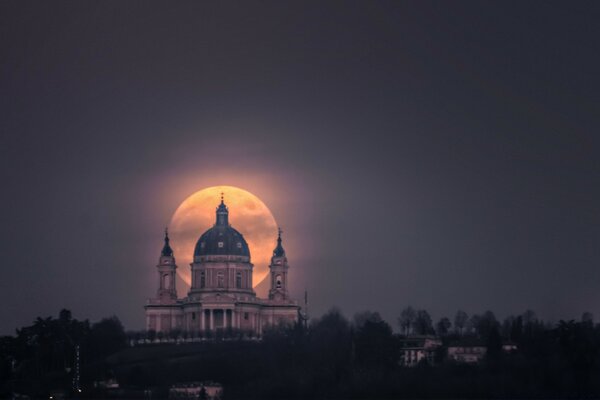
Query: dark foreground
[[331, 359]]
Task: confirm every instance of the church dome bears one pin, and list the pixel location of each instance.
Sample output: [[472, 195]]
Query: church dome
[[222, 239]]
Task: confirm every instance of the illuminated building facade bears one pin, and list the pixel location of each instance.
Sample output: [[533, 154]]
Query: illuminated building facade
[[221, 295]]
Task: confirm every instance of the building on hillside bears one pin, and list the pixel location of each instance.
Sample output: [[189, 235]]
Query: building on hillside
[[196, 390], [473, 351], [467, 351], [417, 349], [509, 347], [221, 295]]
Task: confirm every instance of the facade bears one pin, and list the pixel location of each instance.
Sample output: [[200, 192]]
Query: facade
[[196, 391], [417, 349], [221, 295], [470, 351], [467, 352]]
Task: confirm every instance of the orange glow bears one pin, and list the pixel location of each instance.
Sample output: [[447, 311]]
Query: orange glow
[[247, 213]]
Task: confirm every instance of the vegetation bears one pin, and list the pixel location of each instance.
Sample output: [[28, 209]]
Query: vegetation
[[331, 358]]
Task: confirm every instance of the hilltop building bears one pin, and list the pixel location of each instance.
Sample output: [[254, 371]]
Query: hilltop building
[[418, 349], [221, 295]]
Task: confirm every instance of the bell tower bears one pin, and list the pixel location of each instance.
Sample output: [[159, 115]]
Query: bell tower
[[166, 267], [279, 269]]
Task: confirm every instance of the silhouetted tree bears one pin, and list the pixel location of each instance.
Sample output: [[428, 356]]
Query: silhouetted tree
[[493, 343], [330, 344], [423, 323], [460, 321], [443, 326], [473, 323], [516, 329], [376, 347], [587, 318], [407, 319], [107, 337], [486, 324], [360, 318], [203, 395]]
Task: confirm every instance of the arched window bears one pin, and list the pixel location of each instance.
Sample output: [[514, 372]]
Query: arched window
[[202, 279], [238, 280], [166, 281], [278, 282]]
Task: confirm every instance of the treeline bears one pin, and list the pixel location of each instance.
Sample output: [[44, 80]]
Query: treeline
[[332, 357], [43, 356], [339, 358], [419, 322]]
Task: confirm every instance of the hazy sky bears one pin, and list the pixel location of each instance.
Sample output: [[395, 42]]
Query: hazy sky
[[441, 154]]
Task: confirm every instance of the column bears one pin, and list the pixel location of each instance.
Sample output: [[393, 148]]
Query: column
[[202, 319], [212, 322], [224, 319], [233, 320]]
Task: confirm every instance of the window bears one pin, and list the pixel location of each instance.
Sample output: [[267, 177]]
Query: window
[[220, 279], [245, 315], [278, 281], [220, 244], [193, 315], [202, 245], [202, 279], [239, 245], [238, 280]]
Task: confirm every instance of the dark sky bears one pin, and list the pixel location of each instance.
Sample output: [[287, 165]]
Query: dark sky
[[439, 154]]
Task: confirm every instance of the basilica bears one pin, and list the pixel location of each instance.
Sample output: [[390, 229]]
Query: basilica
[[221, 295]]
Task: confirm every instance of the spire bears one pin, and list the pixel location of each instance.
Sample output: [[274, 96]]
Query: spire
[[222, 213], [167, 251], [279, 251]]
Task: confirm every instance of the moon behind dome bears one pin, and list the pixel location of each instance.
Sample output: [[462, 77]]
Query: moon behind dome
[[247, 213]]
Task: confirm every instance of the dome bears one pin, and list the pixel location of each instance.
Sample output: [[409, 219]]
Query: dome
[[222, 239]]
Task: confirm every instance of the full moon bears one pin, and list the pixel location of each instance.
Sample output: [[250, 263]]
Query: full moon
[[247, 213]]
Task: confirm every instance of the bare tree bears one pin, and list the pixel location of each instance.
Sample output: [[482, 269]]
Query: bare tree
[[460, 321], [443, 326], [529, 318], [407, 319], [423, 323], [473, 323]]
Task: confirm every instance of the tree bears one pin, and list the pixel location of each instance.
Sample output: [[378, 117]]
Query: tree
[[360, 318], [423, 323], [330, 344], [486, 324], [107, 337], [512, 328], [494, 344], [473, 324], [530, 322], [407, 319], [529, 318], [443, 326], [376, 346], [460, 321]]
